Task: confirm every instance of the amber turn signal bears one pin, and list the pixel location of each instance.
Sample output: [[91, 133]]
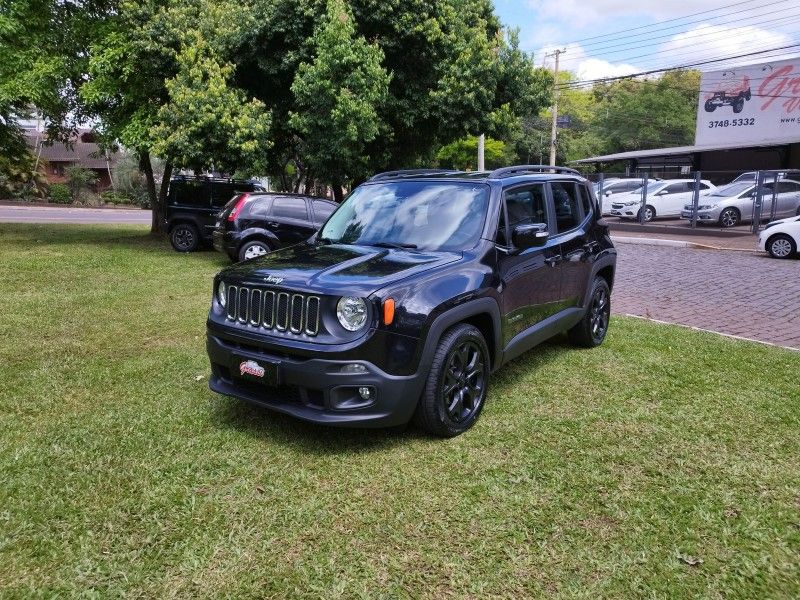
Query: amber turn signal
[[388, 311]]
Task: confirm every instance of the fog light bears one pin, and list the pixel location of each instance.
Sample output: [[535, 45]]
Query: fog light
[[365, 393], [353, 368]]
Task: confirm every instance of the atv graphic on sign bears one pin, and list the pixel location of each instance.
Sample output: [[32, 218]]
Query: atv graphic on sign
[[732, 91]]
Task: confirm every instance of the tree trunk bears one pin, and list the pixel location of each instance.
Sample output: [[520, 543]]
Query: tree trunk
[[146, 167], [338, 194]]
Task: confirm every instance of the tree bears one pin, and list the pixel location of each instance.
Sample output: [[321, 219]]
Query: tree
[[338, 97], [79, 179], [463, 154]]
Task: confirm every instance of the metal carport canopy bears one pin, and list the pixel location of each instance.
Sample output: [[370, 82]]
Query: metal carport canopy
[[673, 151]]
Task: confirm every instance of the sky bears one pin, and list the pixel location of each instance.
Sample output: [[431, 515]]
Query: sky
[[606, 38]]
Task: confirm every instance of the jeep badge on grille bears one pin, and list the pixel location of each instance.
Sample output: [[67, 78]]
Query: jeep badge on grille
[[273, 279]]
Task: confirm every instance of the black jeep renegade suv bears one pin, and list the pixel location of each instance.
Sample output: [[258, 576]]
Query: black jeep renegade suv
[[418, 287]]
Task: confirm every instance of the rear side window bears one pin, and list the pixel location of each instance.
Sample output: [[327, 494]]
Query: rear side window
[[322, 210], [221, 193], [567, 206], [290, 208], [677, 188], [258, 207], [190, 193], [586, 199]]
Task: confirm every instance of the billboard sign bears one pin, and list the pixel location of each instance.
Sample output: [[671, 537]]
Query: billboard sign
[[750, 104]]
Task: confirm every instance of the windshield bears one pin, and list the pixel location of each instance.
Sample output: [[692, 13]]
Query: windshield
[[411, 214], [732, 189]]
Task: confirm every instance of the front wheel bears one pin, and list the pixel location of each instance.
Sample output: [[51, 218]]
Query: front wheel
[[710, 106], [592, 328], [455, 390], [738, 104], [184, 237], [729, 217], [649, 213], [781, 246]]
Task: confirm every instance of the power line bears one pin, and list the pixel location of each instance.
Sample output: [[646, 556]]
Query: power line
[[702, 21], [697, 14], [713, 36], [679, 67]]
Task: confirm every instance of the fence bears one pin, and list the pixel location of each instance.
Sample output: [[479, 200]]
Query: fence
[[725, 200]]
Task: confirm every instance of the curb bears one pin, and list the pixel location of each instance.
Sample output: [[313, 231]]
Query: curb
[[721, 333], [16, 204], [675, 244]]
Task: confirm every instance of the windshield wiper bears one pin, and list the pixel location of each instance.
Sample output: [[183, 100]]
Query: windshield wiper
[[394, 245]]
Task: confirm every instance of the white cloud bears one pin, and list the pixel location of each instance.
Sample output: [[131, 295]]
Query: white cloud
[[584, 66]]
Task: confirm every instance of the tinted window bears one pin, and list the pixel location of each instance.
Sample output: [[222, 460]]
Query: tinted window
[[787, 186], [566, 204], [323, 210], [190, 193], [290, 208], [586, 199], [258, 206], [526, 206], [501, 237], [221, 193], [676, 188]]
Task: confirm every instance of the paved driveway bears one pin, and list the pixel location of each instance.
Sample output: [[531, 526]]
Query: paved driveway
[[738, 293], [42, 214]]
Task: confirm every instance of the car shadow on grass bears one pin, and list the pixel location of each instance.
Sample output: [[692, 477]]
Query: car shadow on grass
[[229, 413]]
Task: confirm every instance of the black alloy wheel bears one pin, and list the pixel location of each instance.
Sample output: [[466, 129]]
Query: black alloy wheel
[[184, 237], [591, 330], [455, 390]]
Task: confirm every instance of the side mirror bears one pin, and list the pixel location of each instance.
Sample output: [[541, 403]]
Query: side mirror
[[608, 193], [530, 236]]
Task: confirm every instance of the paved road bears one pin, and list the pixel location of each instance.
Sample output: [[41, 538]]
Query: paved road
[[739, 293], [41, 214]]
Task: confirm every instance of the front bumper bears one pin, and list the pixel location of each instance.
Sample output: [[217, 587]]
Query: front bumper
[[708, 216], [626, 212], [313, 389]]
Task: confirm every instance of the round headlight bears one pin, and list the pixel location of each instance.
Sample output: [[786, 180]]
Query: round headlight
[[221, 296], [352, 313]]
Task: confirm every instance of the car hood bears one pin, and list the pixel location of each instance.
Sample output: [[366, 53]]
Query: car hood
[[336, 268]]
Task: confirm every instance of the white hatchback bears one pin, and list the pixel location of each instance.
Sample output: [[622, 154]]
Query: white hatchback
[[664, 199], [781, 238]]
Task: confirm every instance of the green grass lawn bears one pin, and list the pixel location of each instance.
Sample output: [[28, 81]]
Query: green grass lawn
[[598, 473]]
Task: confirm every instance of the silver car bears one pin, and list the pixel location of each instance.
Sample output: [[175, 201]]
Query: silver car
[[733, 204], [613, 187]]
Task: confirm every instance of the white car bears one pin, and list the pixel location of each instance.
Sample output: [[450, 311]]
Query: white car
[[664, 199], [614, 187], [781, 238]]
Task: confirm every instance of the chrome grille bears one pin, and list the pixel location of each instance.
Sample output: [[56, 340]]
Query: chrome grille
[[294, 313]]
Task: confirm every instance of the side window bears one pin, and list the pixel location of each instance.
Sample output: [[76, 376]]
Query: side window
[[290, 208], [586, 200], [566, 204], [192, 193], [322, 210], [526, 205], [221, 193], [259, 207], [703, 186], [502, 236], [676, 188], [787, 186]]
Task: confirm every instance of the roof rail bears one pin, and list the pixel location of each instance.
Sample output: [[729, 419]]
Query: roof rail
[[520, 169], [412, 172]]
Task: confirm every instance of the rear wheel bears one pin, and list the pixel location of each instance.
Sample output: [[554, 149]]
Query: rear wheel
[[455, 390], [592, 328], [738, 104], [729, 217], [710, 106], [184, 237], [781, 246], [748, 94], [253, 249]]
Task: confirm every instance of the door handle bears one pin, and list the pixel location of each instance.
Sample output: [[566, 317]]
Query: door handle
[[553, 260]]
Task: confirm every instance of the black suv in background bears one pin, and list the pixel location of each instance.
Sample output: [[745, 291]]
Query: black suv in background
[[193, 204], [414, 291], [251, 225]]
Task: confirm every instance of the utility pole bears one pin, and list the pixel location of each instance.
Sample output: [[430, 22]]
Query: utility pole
[[554, 129], [481, 152]]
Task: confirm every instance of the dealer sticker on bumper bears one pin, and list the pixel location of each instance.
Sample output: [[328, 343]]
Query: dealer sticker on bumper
[[251, 367]]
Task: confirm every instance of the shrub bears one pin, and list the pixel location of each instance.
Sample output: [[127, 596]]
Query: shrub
[[115, 197], [79, 180], [60, 194]]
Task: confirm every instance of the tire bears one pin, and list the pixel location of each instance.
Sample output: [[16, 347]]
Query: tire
[[710, 106], [748, 94], [253, 249], [738, 104], [781, 246], [184, 237], [649, 213], [797, 212], [729, 217], [592, 328], [455, 390]]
